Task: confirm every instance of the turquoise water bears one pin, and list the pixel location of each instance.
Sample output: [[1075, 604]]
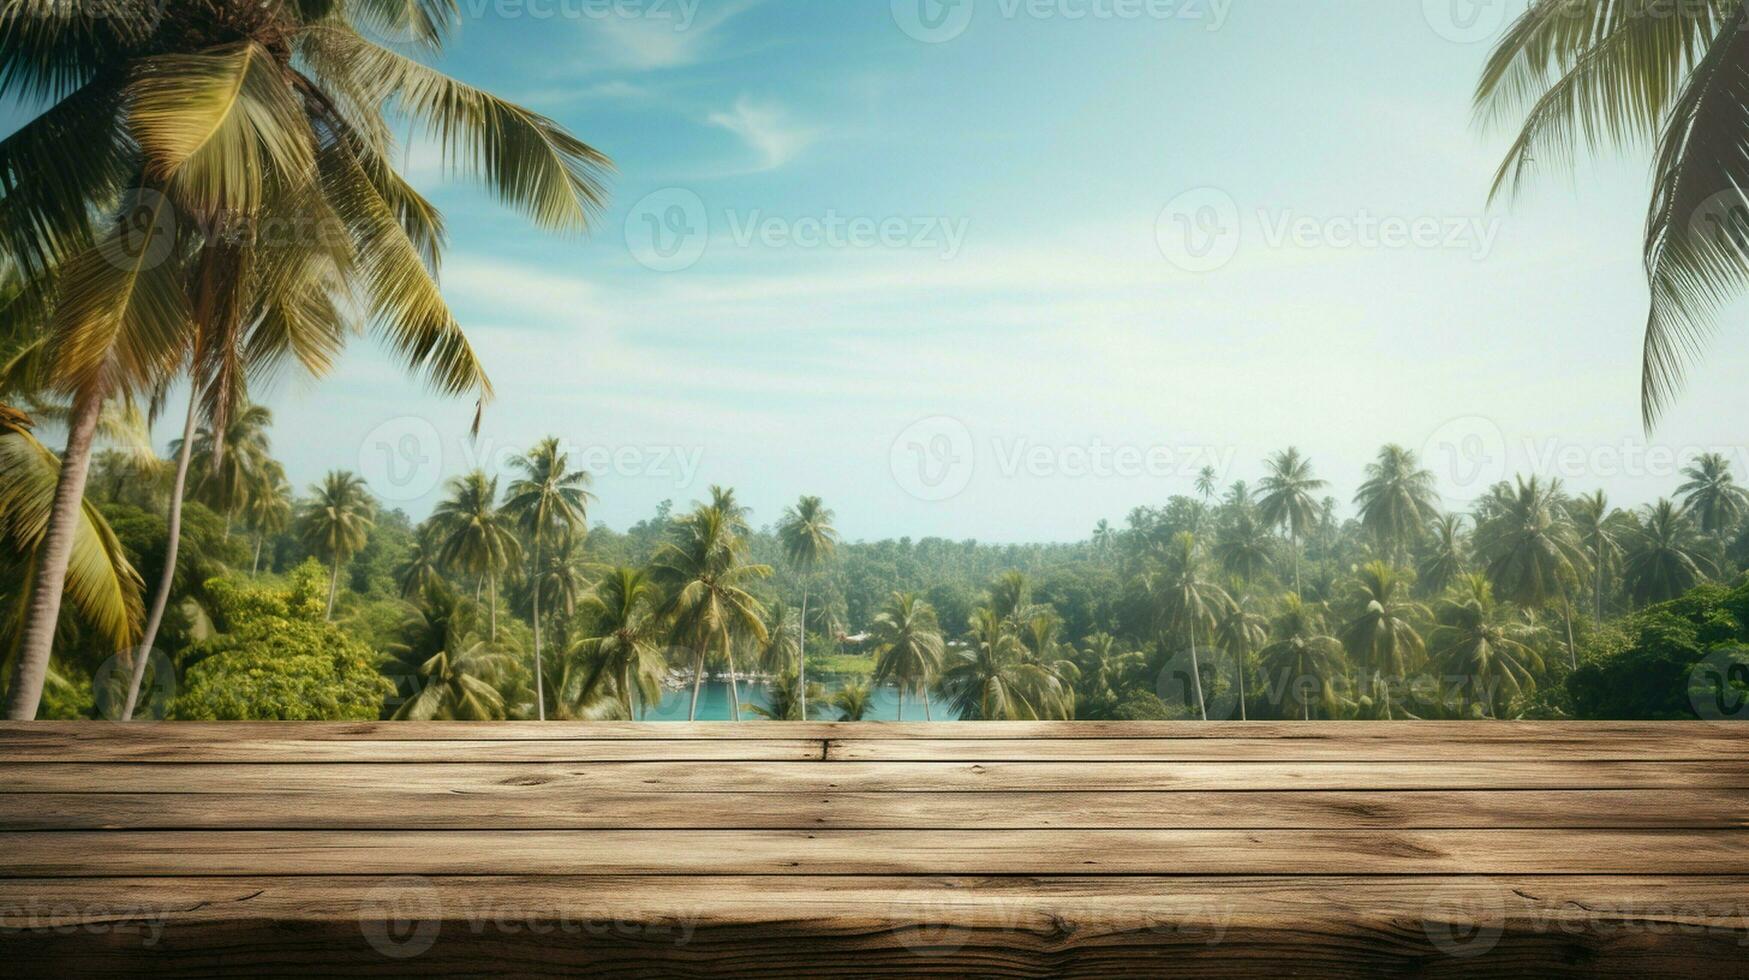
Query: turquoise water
[[713, 704]]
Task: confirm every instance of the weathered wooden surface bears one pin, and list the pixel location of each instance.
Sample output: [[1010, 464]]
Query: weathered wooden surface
[[1328, 849]]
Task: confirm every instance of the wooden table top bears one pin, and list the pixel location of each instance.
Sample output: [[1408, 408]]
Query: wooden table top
[[988, 849]]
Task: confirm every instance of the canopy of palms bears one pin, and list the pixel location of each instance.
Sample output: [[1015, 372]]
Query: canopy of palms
[[993, 679], [908, 646], [1712, 495], [808, 540], [1303, 658], [1381, 636], [1598, 531], [1288, 499], [549, 501], [853, 701], [201, 128], [1591, 74], [1242, 547], [335, 524], [446, 670], [705, 573], [1240, 631], [1446, 555], [1664, 557], [1186, 605], [268, 511], [474, 535], [1473, 640], [1397, 501], [620, 658]]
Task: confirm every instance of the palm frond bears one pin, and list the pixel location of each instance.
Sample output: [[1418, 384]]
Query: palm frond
[[49, 195]]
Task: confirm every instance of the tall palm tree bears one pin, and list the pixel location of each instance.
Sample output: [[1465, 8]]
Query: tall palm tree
[[853, 701], [1240, 631], [621, 653], [336, 524], [1302, 652], [549, 501], [780, 654], [705, 572], [421, 567], [1586, 74], [785, 699], [1594, 524], [1381, 636], [1010, 596], [448, 666], [1664, 557], [1446, 557], [1288, 498], [1104, 537], [1105, 669], [1713, 496], [1473, 640], [244, 119], [1397, 501], [908, 646], [1186, 605], [1242, 547], [992, 679], [559, 582], [809, 541], [1531, 548], [474, 535], [1206, 482]]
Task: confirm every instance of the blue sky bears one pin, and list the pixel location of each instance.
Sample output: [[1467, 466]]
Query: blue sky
[[1026, 273]]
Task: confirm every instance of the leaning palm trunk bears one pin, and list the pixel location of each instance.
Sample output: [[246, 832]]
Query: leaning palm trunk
[[540, 698], [925, 689], [50, 576], [1196, 676], [255, 566], [1241, 673], [901, 700], [167, 577], [333, 587], [734, 691], [802, 656], [697, 679]]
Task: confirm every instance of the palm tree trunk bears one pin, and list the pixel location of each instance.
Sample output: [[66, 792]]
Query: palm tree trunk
[[1294, 539], [1306, 710], [625, 688], [925, 689], [333, 587], [802, 655], [172, 544], [697, 679], [734, 690], [255, 568], [901, 700], [493, 595], [1241, 673], [1567, 604], [1196, 670], [540, 698], [49, 578], [1600, 591]]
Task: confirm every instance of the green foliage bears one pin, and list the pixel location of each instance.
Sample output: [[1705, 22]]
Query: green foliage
[[276, 659], [1645, 667]]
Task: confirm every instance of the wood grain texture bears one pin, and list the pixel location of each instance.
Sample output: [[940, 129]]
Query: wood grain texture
[[777, 850]]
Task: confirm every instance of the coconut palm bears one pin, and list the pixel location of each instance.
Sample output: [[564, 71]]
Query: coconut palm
[[1242, 546], [908, 646], [336, 524], [474, 537], [559, 582], [268, 511], [1104, 537], [448, 667], [785, 698], [1587, 74], [1664, 557], [1595, 526], [232, 123], [1288, 499], [1240, 631], [421, 567], [1302, 653], [1473, 639], [1712, 495], [620, 656], [705, 572], [1380, 637], [992, 679], [1105, 669], [1206, 482], [779, 654], [1397, 501], [1010, 596], [809, 541], [1446, 556], [1185, 604], [1531, 549], [549, 501], [853, 701]]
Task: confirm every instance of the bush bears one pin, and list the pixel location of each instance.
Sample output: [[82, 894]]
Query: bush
[[1643, 670], [275, 659]]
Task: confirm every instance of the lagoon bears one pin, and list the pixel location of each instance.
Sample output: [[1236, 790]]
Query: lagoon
[[713, 703]]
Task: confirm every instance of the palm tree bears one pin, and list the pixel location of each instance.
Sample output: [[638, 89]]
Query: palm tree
[[1302, 652], [1713, 496], [1185, 604], [808, 540], [550, 502], [908, 646], [704, 570], [1104, 537], [1472, 640], [336, 524], [560, 581], [1242, 547], [421, 567], [1010, 596], [620, 654], [779, 654], [245, 119], [1104, 669], [1589, 74], [853, 701], [992, 679], [1381, 635], [1206, 481], [1241, 631], [448, 665], [1531, 548], [1594, 524], [1397, 501], [1664, 558], [473, 535], [1288, 499], [268, 511], [786, 698], [1446, 556]]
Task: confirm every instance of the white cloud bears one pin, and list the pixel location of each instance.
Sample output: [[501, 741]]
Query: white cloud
[[767, 129], [670, 36]]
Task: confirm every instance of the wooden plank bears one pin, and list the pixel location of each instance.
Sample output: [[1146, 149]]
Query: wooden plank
[[559, 806], [889, 777], [156, 748], [1574, 926], [955, 851], [1409, 748]]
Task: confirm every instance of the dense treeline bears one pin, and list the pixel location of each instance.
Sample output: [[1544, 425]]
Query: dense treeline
[[1239, 602]]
